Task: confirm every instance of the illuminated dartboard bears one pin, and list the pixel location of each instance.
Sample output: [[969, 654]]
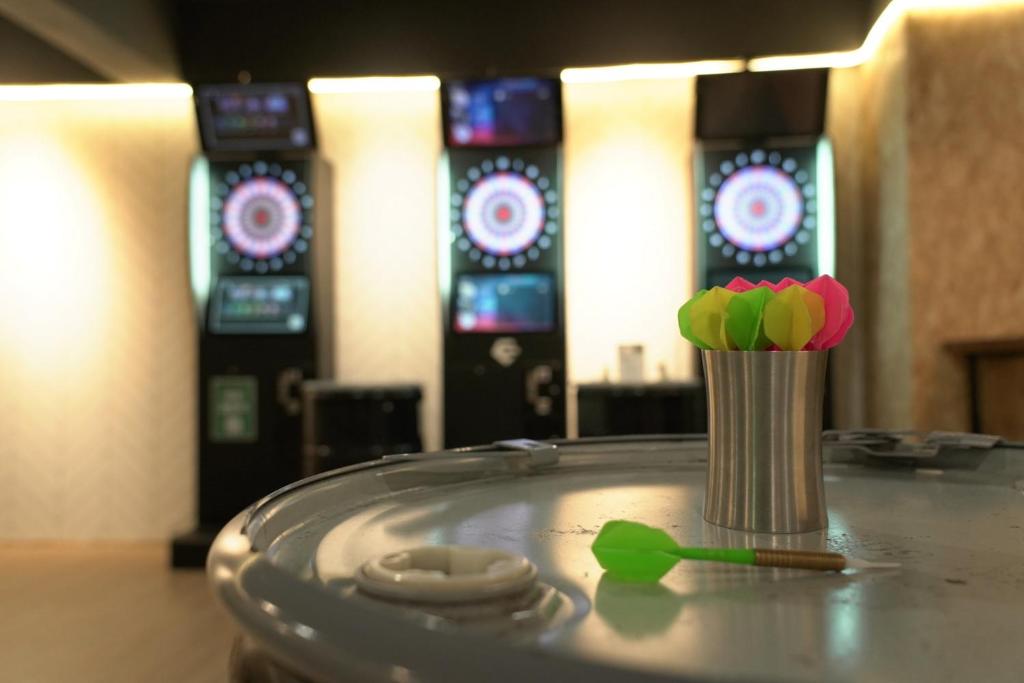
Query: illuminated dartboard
[[504, 213], [759, 208], [261, 215]]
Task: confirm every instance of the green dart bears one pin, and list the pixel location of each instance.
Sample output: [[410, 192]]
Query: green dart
[[631, 551]]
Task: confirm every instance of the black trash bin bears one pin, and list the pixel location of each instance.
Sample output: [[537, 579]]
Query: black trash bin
[[347, 424]]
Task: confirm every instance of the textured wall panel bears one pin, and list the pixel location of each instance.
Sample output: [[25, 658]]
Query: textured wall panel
[[928, 141], [888, 301], [867, 120], [966, 149], [846, 128], [97, 341], [384, 148], [628, 199]]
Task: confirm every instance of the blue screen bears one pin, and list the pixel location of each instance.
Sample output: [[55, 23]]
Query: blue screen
[[499, 303], [503, 112]]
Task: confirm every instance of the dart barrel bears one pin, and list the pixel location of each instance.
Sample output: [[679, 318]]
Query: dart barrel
[[799, 559]]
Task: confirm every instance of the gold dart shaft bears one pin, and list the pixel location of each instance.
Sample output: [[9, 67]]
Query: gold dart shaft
[[799, 559]]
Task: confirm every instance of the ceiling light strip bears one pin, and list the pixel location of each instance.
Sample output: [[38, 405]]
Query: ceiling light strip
[[94, 91], [370, 84], [633, 72]]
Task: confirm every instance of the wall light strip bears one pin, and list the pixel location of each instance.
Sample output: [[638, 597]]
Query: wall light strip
[[330, 86], [94, 91], [631, 72], [444, 245], [199, 232], [885, 22], [826, 183]]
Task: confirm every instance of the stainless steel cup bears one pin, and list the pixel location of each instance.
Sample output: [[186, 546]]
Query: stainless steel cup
[[764, 440]]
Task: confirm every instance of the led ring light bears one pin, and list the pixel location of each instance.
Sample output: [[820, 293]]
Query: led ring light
[[504, 213], [261, 220], [758, 208]]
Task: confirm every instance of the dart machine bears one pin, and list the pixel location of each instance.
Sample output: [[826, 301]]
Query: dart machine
[[501, 273], [764, 180], [260, 249], [764, 177]]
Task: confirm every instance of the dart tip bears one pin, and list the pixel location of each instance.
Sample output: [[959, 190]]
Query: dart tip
[[855, 563]]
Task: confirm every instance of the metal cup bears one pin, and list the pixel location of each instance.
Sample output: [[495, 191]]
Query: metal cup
[[764, 440]]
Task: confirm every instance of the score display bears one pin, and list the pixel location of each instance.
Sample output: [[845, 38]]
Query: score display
[[504, 303], [260, 305], [504, 112], [255, 117]]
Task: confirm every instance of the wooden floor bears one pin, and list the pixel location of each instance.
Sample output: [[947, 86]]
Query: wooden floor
[[107, 612]]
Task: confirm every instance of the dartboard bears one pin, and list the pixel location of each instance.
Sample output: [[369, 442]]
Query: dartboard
[[260, 217], [504, 213], [759, 207]]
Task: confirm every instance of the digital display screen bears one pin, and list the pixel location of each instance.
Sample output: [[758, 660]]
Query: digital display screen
[[260, 305], [503, 112], [262, 117], [497, 303], [758, 105]]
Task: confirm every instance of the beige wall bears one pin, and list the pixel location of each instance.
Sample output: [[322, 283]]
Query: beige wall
[[965, 96], [929, 153], [844, 123], [628, 198], [98, 345], [97, 351], [868, 123], [889, 301], [97, 335], [384, 150]]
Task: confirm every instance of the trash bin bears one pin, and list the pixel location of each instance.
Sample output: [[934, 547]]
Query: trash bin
[[346, 424]]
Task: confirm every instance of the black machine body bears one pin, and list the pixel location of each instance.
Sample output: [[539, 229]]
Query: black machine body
[[266, 326]]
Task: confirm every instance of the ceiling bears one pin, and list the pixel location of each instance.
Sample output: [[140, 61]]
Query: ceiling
[[213, 40]]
